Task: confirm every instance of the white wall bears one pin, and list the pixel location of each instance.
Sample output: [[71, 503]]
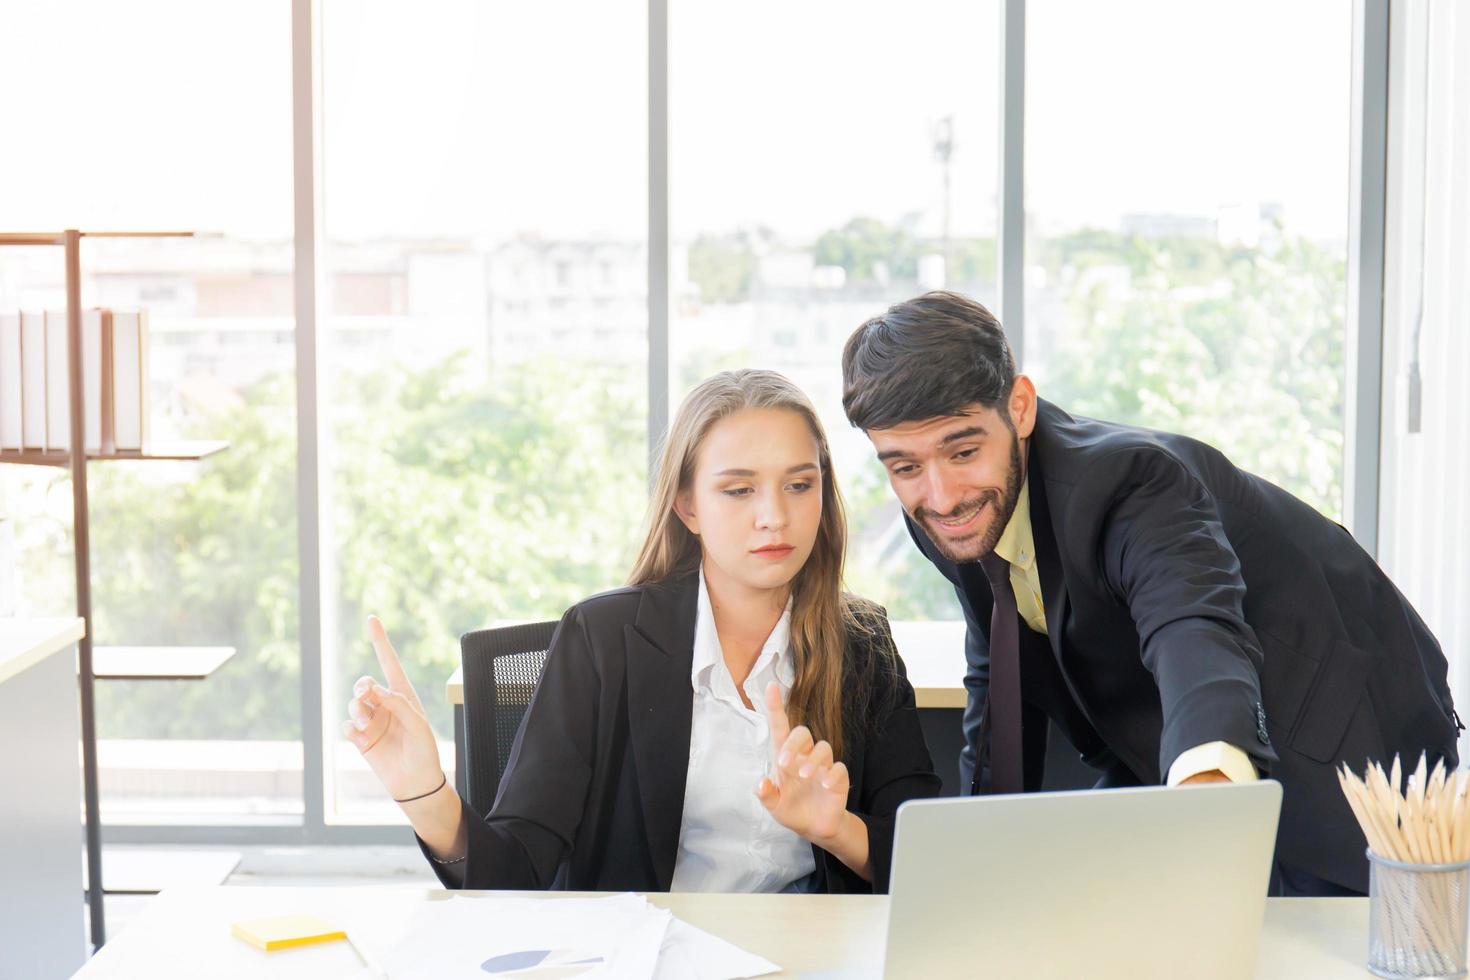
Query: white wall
[[1425, 482]]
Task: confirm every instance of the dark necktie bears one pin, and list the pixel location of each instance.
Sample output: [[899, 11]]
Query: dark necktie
[[1004, 708]]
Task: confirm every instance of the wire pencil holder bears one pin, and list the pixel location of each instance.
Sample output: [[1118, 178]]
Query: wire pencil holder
[[1417, 918]]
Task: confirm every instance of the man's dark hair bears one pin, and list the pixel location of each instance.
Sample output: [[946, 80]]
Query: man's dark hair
[[925, 357]]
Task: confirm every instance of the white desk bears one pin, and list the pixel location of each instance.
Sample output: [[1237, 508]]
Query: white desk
[[26, 642], [186, 932], [40, 799], [934, 655]]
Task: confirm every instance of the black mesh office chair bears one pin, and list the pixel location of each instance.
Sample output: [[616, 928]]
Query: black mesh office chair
[[501, 669]]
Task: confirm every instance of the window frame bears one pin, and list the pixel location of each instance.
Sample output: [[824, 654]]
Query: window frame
[[1364, 326]]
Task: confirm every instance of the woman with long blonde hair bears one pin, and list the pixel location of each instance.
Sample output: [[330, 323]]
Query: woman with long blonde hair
[[728, 721]]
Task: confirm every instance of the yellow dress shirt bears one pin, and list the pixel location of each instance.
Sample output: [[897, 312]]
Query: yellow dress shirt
[[1017, 546]]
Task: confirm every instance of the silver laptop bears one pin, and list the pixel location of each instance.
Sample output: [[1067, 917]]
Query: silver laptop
[[1125, 883]]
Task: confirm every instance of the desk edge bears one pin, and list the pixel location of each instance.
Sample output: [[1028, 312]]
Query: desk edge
[[72, 629]]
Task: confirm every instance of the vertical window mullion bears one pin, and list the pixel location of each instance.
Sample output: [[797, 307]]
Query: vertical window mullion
[[1012, 251], [307, 182], [1363, 385], [658, 227]]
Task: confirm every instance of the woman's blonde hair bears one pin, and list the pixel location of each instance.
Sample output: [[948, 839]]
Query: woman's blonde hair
[[821, 614]]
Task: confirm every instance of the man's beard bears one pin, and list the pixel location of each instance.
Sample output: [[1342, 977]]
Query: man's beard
[[979, 543]]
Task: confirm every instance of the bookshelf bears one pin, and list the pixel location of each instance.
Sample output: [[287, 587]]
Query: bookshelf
[[187, 663], [177, 451]]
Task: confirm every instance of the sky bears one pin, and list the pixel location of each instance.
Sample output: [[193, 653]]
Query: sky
[[466, 118]]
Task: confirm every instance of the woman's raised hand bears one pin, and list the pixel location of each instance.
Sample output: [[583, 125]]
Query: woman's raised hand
[[809, 795], [388, 726]]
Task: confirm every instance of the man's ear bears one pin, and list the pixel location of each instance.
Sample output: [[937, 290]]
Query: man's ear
[[684, 507], [1022, 406]]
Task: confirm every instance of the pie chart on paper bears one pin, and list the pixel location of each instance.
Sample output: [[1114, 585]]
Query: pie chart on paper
[[542, 964]]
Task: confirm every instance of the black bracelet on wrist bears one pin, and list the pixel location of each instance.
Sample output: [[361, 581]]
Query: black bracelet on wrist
[[442, 783]]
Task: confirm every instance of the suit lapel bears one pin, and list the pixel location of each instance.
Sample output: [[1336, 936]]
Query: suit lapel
[[1053, 582], [660, 653]]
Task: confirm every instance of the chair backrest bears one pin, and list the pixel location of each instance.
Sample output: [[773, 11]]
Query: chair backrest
[[501, 669]]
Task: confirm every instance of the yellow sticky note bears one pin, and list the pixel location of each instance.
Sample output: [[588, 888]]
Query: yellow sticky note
[[281, 931]]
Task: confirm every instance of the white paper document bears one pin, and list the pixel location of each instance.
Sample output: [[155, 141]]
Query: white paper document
[[621, 937], [693, 954]]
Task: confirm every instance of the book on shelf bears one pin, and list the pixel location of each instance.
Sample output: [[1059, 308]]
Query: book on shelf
[[130, 379], [11, 421], [97, 381], [33, 380], [58, 382]]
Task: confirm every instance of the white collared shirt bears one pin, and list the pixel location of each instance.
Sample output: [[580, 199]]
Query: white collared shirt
[[728, 842]]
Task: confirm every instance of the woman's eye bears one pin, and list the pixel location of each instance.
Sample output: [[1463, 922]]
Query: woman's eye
[[737, 492], [800, 486]]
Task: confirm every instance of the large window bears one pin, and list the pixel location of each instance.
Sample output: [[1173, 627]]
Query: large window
[[112, 124], [485, 398], [484, 331], [821, 171], [1187, 209]]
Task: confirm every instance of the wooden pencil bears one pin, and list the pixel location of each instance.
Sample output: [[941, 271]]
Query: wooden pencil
[[1422, 819]]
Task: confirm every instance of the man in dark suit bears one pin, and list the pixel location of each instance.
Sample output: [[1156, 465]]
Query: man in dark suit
[[1179, 619]]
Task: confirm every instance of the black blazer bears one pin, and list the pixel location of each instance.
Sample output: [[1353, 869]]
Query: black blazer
[[593, 793], [1188, 601]]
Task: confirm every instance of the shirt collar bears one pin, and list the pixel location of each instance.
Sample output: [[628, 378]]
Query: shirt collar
[[708, 653], [1016, 544]]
